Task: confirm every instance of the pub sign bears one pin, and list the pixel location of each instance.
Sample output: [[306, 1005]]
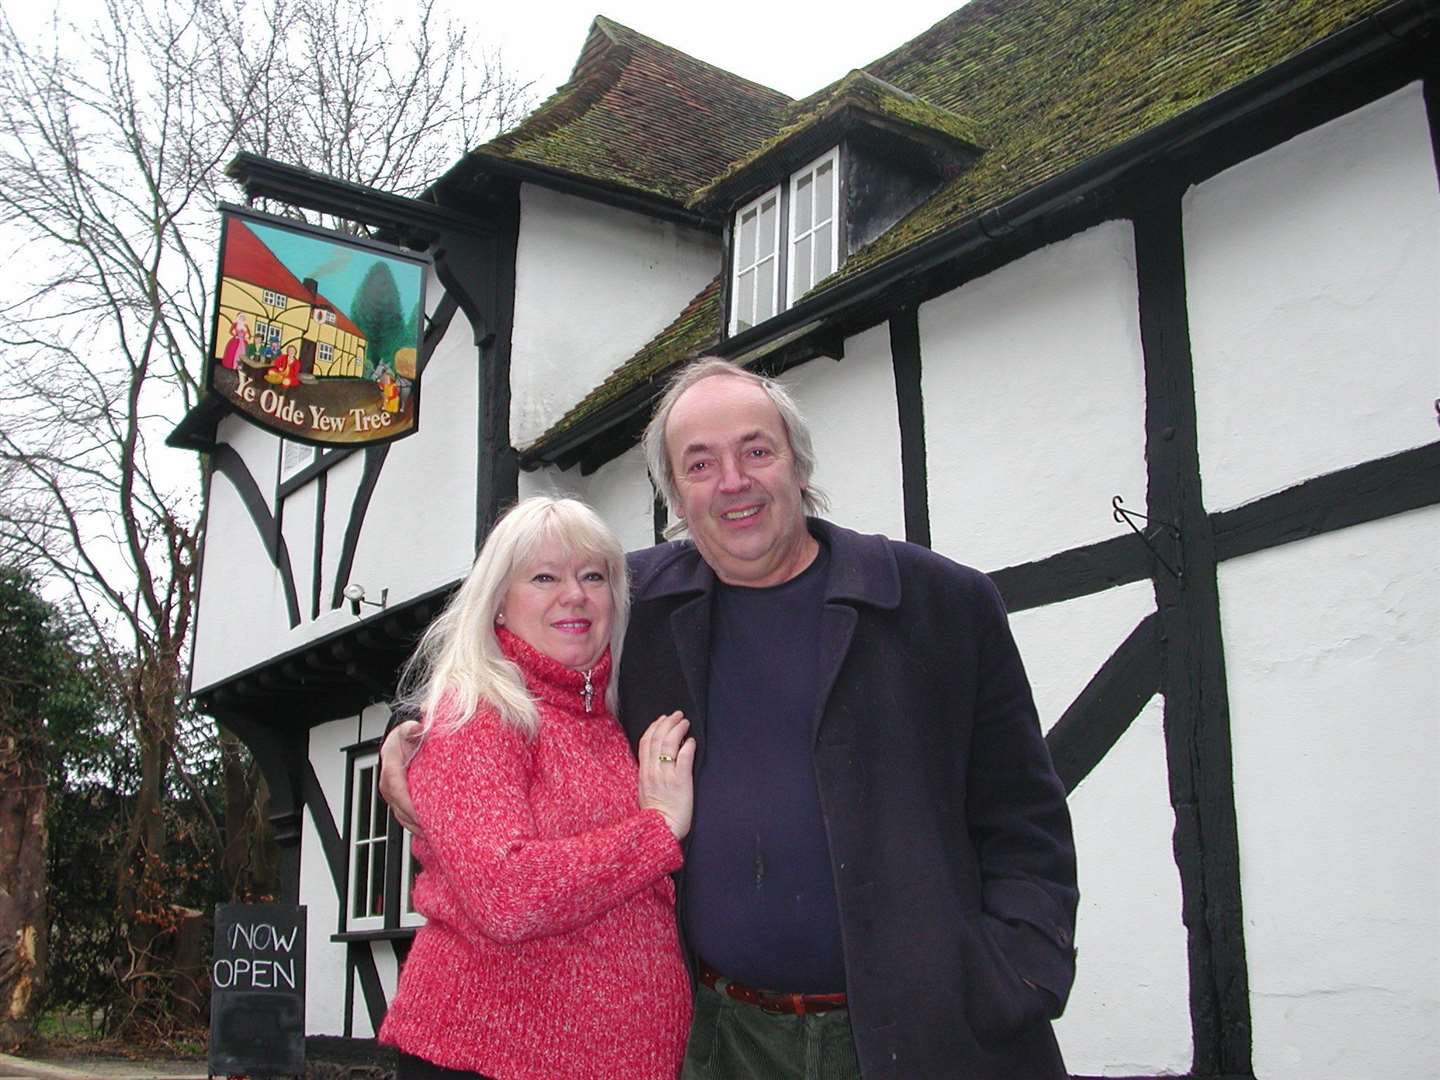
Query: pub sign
[[317, 334]]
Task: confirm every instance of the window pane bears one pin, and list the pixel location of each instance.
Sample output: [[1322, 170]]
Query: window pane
[[745, 301], [824, 184], [745, 255], [764, 290], [377, 879], [362, 875], [366, 780], [381, 811], [766, 239], [802, 268], [801, 216], [822, 252]]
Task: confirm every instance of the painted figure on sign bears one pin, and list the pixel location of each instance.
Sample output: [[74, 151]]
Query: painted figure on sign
[[389, 390], [285, 371], [238, 343]]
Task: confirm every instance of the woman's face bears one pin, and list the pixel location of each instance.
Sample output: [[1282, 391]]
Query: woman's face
[[561, 606]]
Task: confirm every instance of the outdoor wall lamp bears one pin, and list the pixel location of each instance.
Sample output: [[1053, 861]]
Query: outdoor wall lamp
[[356, 595]]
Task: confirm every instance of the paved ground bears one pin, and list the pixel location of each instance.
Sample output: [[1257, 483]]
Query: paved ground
[[98, 1068]]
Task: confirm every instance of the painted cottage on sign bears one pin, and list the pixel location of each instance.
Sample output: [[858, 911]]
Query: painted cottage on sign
[[1134, 306]]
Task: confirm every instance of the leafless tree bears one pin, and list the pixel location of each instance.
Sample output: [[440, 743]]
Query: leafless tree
[[113, 137]]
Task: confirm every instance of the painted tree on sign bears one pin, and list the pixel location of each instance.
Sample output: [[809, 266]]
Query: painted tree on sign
[[377, 312]]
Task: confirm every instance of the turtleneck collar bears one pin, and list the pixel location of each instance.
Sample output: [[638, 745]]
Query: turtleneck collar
[[552, 682]]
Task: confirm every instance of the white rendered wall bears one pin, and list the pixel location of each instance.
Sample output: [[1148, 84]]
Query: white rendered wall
[[1129, 1012], [1034, 402], [592, 285], [324, 959], [413, 553], [619, 491], [1313, 279], [1064, 645], [856, 429], [244, 619], [242, 608], [1330, 655]]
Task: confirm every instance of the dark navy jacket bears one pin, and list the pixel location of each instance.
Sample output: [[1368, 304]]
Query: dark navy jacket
[[949, 835]]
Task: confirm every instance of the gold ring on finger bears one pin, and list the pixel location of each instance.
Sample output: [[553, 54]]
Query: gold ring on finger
[[666, 759]]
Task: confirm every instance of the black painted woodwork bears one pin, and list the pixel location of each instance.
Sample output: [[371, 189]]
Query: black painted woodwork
[[1192, 669], [1112, 699], [1068, 575], [910, 403]]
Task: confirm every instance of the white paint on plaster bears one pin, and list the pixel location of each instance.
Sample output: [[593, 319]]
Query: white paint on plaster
[[238, 578], [342, 482], [324, 960], [1034, 402], [409, 553], [592, 285], [1129, 1011], [387, 967], [373, 719], [244, 618], [1330, 654], [1064, 645], [297, 525], [856, 428], [619, 491], [1313, 279]]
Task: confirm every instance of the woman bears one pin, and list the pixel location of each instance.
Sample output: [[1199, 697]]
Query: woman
[[550, 949], [238, 343]]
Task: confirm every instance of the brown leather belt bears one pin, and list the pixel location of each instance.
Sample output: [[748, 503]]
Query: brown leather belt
[[769, 1000]]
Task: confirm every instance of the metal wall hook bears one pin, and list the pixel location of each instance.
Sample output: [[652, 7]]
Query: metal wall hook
[[1129, 517]]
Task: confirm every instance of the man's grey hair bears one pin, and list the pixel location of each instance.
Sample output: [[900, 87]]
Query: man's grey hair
[[797, 433]]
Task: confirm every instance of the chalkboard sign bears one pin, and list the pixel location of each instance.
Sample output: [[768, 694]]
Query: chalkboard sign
[[257, 990]]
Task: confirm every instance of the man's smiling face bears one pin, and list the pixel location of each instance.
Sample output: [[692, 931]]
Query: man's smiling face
[[735, 474]]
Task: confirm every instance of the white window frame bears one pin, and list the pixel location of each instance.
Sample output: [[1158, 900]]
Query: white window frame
[[295, 458], [408, 915], [796, 236], [777, 301], [271, 298], [359, 836], [324, 353]]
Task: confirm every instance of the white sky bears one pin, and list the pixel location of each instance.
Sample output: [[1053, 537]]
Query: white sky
[[795, 48]]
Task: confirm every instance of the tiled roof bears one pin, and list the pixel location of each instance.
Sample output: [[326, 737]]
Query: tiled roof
[[1056, 82], [1046, 84], [640, 115]]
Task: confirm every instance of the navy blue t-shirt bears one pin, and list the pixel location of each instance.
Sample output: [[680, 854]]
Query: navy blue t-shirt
[[760, 901]]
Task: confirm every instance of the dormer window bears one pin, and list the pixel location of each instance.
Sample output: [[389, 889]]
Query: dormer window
[[757, 258], [765, 279], [813, 236]]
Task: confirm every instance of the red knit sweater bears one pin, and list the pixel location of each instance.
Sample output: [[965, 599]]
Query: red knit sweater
[[550, 951]]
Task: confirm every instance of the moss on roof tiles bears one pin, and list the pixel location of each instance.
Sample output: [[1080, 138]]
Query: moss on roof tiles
[[638, 114], [858, 92], [1057, 82], [695, 330]]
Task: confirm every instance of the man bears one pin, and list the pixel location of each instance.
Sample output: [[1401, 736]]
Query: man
[[880, 880]]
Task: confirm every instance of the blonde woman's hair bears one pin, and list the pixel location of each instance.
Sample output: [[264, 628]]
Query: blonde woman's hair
[[458, 663], [797, 431]]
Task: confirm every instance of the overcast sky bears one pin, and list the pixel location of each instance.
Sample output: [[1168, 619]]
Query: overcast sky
[[793, 47]]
